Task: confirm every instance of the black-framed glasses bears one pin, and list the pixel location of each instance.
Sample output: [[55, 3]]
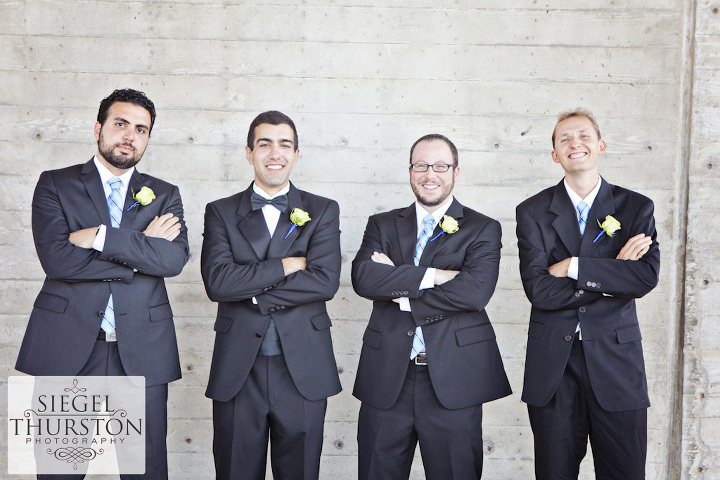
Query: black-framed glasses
[[437, 167]]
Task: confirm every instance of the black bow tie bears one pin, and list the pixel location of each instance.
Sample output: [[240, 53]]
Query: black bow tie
[[258, 202]]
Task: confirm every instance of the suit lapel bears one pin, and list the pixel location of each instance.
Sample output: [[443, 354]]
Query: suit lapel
[[603, 206], [252, 225], [279, 245], [406, 224], [93, 185], [455, 211], [566, 223], [137, 181]]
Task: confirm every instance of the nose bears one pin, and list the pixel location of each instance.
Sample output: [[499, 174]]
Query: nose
[[129, 134]]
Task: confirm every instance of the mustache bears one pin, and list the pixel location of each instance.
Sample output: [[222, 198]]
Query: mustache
[[126, 144]]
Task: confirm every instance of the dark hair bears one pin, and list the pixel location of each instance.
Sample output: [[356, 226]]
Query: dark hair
[[578, 112], [126, 95], [435, 137], [272, 117]]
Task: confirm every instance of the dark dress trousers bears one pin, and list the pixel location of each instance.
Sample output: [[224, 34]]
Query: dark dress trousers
[[62, 332], [608, 361], [240, 261], [464, 365]]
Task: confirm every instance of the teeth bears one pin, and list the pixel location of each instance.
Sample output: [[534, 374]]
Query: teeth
[[274, 167], [577, 155]]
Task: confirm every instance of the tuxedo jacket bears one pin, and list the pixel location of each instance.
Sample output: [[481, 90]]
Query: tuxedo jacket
[[463, 357], [602, 299], [67, 313], [240, 261]]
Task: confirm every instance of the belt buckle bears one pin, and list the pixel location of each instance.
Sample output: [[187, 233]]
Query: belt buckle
[[111, 337], [421, 358]]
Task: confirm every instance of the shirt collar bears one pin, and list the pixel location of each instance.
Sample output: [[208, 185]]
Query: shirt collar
[[421, 213], [106, 174], [266, 195], [575, 198]]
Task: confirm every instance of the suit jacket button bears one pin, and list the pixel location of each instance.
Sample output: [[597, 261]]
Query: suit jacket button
[[410, 333], [589, 284], [597, 285], [568, 338], [577, 294], [581, 309], [282, 307], [101, 314], [581, 292], [258, 334], [271, 309]]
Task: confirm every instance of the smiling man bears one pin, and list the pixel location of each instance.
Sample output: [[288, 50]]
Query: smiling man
[[271, 259], [584, 371], [103, 309], [429, 358]]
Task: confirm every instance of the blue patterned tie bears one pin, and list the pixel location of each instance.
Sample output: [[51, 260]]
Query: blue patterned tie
[[418, 345], [582, 222], [114, 201]]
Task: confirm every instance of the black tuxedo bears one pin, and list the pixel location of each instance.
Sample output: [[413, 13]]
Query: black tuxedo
[[464, 364], [63, 329], [240, 261], [602, 299]]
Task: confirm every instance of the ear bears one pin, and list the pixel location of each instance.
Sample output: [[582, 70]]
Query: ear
[[555, 157], [456, 173], [96, 130], [248, 155], [602, 147]]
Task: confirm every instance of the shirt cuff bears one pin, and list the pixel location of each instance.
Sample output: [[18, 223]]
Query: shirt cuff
[[573, 268], [428, 281], [254, 301], [404, 303], [99, 242]]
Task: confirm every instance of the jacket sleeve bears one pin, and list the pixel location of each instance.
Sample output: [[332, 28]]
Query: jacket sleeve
[[472, 288], [60, 259], [377, 281], [150, 255], [625, 278], [224, 279], [320, 279], [545, 291]]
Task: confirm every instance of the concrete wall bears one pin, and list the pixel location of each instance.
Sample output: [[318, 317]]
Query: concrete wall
[[363, 80]]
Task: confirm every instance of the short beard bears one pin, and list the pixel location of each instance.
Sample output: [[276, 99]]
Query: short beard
[[119, 161], [431, 203]]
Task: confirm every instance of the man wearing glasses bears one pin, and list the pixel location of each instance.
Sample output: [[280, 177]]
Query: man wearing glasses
[[429, 358]]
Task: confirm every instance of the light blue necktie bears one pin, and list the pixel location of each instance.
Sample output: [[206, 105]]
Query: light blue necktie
[[418, 345], [114, 201], [582, 221]]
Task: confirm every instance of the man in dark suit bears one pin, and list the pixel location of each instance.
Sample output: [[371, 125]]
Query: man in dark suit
[[584, 371], [103, 308], [429, 357], [271, 259]]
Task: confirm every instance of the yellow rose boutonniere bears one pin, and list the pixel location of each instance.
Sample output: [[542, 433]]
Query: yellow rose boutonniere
[[298, 218], [609, 226], [144, 197], [448, 225]]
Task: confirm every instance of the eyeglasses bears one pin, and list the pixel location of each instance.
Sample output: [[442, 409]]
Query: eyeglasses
[[437, 167]]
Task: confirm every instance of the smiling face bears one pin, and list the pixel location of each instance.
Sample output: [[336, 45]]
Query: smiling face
[[577, 146], [123, 137], [273, 156], [432, 188]]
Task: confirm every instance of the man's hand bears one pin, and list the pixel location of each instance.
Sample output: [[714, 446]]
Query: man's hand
[[293, 264], [84, 238], [560, 269], [165, 226], [379, 257], [635, 247], [442, 276]]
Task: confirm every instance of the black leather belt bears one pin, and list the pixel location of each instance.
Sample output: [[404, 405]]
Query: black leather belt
[[421, 358]]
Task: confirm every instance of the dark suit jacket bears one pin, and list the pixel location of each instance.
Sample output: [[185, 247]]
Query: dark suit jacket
[[463, 357], [67, 313], [547, 231], [240, 261]]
